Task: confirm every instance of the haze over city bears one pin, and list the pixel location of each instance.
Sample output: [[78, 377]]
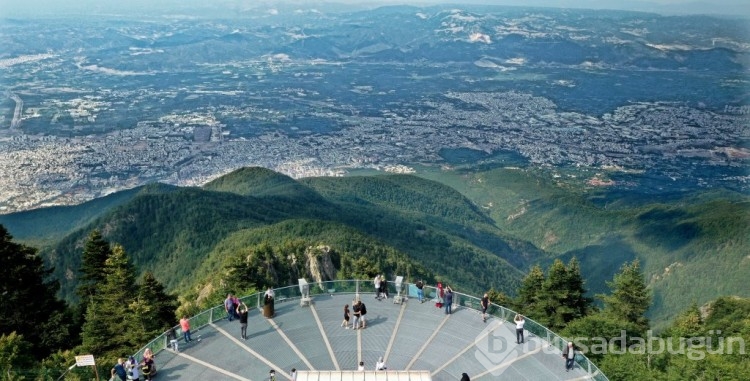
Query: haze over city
[[12, 8]]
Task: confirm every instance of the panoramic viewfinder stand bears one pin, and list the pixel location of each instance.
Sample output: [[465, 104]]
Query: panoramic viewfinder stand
[[304, 289]]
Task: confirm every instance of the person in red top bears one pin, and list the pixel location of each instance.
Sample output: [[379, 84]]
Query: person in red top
[[185, 325]]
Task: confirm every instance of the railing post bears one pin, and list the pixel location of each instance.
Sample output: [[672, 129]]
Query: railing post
[[588, 364], [211, 316]]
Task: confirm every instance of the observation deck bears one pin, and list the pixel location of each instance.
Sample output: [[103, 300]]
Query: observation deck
[[418, 341]]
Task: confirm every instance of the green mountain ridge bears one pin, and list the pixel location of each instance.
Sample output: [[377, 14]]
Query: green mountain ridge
[[693, 246], [473, 229]]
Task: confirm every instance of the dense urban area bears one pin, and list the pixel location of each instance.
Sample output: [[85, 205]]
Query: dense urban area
[[130, 102]]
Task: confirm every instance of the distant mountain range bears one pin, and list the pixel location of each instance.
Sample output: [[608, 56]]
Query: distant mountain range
[[474, 230], [229, 8]]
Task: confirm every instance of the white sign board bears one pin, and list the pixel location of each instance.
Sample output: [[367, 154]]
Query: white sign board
[[85, 360]]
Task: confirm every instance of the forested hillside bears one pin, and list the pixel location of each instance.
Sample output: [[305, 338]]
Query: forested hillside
[[172, 231], [693, 246], [581, 260], [474, 229]]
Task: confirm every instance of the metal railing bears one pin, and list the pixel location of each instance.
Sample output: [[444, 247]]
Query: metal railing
[[356, 287]]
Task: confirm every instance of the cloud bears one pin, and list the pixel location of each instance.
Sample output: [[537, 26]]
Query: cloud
[[480, 37]]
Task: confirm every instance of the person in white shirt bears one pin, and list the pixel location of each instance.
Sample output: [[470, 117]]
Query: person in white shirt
[[380, 365], [519, 320], [133, 373], [361, 366], [376, 282], [569, 354]]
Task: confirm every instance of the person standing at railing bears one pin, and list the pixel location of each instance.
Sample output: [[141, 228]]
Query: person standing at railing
[[147, 365], [383, 287], [235, 303], [133, 373], [229, 307], [520, 321], [569, 354], [420, 291], [185, 325], [485, 302], [440, 295], [376, 283], [448, 300]]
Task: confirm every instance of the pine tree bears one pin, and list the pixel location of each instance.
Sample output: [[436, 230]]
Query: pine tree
[[499, 298], [557, 298], [577, 300], [28, 299], [529, 296], [157, 308], [15, 359], [630, 298], [554, 294], [111, 328], [95, 253]]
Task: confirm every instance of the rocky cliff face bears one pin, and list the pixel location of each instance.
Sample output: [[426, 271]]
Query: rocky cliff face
[[320, 267]]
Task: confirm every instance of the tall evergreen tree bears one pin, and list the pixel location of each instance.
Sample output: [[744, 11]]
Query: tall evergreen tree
[[499, 298], [28, 301], [529, 296], [15, 359], [579, 303], [630, 298], [557, 298], [156, 309], [553, 297], [110, 330], [95, 253]]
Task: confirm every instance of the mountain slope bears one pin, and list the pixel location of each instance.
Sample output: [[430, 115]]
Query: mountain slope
[[692, 246], [172, 233], [484, 232], [49, 224]]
